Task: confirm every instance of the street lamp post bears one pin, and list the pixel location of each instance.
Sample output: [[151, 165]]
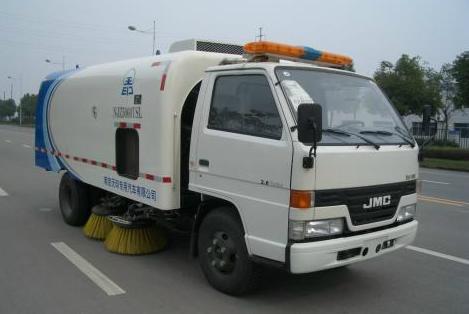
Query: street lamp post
[[11, 78], [147, 31], [61, 63]]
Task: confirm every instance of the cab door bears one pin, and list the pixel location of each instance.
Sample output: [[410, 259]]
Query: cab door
[[243, 154]]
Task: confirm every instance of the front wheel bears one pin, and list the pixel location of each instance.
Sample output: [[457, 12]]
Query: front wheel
[[223, 255], [73, 200]]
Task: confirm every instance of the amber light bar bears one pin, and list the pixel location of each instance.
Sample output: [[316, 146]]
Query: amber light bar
[[296, 52]]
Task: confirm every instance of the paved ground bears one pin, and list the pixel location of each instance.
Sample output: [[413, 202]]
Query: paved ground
[[36, 278]]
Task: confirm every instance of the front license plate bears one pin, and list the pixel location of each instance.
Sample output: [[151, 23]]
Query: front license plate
[[375, 245]]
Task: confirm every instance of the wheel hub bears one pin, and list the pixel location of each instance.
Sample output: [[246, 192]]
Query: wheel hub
[[222, 253]]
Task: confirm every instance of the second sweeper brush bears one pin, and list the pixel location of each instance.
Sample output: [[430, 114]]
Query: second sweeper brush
[[135, 238]]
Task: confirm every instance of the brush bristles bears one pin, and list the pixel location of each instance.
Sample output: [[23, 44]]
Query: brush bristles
[[135, 241], [97, 227]]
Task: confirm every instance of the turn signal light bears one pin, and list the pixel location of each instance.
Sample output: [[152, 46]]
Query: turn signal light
[[301, 199]]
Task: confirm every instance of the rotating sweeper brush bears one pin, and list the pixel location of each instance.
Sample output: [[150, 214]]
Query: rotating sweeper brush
[[134, 233], [98, 225]]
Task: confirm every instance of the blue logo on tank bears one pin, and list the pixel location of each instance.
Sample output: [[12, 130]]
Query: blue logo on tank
[[128, 83]]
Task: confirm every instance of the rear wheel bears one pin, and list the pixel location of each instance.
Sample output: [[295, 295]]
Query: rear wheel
[[223, 254], [73, 200]]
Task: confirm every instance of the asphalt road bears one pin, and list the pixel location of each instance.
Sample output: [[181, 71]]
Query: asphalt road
[[36, 278]]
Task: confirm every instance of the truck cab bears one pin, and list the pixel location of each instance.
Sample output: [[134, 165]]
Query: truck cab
[[351, 198]]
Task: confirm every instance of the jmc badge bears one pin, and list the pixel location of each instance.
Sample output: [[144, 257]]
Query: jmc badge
[[377, 201]]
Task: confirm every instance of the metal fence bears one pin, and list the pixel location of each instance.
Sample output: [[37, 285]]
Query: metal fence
[[457, 137]]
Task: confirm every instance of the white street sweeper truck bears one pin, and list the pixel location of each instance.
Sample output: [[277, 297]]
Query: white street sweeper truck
[[264, 154]]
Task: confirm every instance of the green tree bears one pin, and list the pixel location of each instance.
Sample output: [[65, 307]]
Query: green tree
[[28, 107], [409, 84], [460, 71], [7, 109], [448, 92]]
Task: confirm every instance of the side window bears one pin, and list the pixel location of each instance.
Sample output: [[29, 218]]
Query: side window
[[127, 153], [244, 104]]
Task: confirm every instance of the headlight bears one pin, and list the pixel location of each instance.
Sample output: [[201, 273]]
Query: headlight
[[407, 212], [300, 230]]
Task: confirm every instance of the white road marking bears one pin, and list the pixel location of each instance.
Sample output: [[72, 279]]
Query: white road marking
[[8, 141], [3, 193], [89, 270], [438, 254], [436, 182], [26, 145]]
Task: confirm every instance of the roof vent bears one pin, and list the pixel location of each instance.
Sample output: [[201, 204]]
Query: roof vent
[[205, 45]]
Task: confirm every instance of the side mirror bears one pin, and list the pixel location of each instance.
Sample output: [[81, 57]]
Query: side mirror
[[309, 123], [427, 113]]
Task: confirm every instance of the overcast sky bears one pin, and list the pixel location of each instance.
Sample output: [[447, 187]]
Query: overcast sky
[[92, 32]]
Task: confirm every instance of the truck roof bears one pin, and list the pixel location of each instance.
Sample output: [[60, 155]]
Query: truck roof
[[270, 66]]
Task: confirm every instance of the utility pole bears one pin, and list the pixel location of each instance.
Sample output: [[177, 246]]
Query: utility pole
[[260, 36], [21, 92], [11, 78], [154, 37]]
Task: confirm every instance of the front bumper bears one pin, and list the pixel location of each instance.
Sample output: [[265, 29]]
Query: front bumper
[[314, 256]]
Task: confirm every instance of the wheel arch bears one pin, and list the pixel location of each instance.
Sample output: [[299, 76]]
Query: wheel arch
[[209, 204]]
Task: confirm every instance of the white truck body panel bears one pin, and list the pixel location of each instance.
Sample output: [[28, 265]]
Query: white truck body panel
[[87, 106]]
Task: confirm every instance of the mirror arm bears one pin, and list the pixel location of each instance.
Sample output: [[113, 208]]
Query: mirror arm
[[315, 144], [308, 162]]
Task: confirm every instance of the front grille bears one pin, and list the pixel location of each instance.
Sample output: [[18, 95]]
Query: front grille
[[354, 198]]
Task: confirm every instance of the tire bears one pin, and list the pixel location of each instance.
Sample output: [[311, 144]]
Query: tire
[[74, 201], [221, 239]]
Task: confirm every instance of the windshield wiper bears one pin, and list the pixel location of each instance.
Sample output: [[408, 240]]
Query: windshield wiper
[[387, 133], [405, 136], [378, 132], [336, 131], [348, 133]]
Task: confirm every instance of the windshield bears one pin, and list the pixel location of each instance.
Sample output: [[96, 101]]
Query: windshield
[[351, 104]]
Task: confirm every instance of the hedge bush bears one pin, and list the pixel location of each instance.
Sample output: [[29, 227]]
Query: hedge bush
[[444, 143], [446, 152], [447, 164]]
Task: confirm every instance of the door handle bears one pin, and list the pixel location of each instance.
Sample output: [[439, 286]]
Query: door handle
[[204, 162]]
